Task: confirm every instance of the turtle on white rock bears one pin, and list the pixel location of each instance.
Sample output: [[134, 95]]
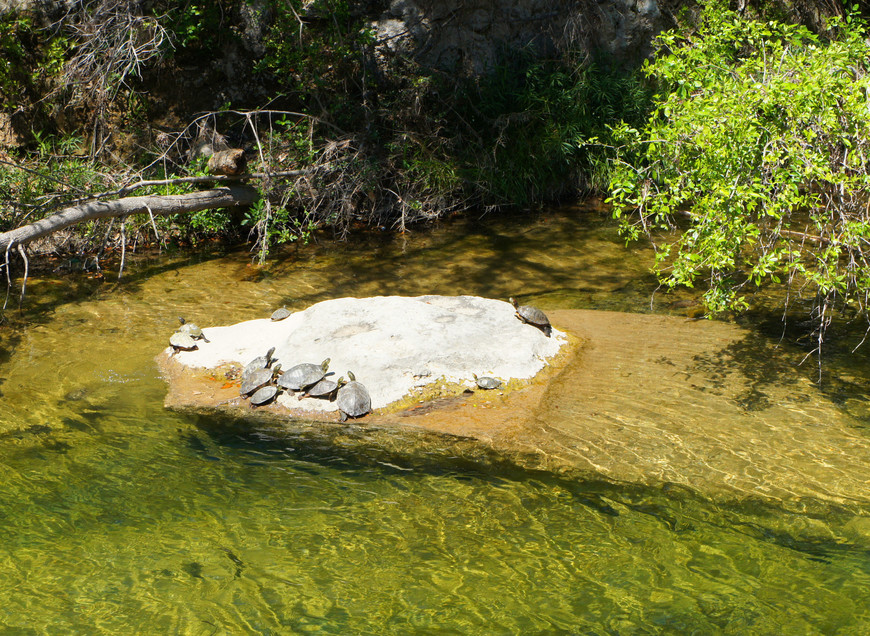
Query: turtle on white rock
[[388, 340]]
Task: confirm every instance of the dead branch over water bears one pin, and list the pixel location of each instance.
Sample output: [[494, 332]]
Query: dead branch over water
[[223, 197]]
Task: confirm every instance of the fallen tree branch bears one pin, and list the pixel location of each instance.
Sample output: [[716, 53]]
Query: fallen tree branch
[[225, 197], [179, 180]]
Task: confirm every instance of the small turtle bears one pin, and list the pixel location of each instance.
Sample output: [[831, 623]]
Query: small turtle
[[260, 362], [191, 329], [281, 314], [303, 375], [353, 399], [181, 341], [533, 316], [264, 395], [324, 389], [486, 382]]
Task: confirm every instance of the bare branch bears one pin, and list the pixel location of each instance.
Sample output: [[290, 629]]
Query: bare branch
[[170, 204]]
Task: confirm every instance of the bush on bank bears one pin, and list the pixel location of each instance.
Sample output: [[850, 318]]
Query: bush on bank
[[757, 151]]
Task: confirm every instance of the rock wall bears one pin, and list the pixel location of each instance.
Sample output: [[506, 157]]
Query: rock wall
[[468, 36]]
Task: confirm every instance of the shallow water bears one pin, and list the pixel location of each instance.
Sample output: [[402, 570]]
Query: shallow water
[[117, 516]]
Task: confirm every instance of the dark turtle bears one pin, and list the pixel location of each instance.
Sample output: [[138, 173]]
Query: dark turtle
[[533, 316], [281, 314], [303, 375], [353, 399], [191, 329], [260, 362], [181, 341], [325, 389], [264, 395], [486, 382]]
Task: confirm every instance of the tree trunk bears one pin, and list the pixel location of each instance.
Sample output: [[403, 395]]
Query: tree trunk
[[158, 205]]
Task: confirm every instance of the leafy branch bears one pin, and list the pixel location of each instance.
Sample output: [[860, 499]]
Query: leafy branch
[[760, 139]]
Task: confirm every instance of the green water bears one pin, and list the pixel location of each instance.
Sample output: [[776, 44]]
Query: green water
[[119, 517]]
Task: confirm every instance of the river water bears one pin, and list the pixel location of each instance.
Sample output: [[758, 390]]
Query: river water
[[118, 516]]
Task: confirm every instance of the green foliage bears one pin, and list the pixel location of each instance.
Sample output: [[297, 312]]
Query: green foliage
[[12, 29], [210, 222], [293, 136], [27, 59], [526, 133], [535, 116], [200, 25], [393, 143], [760, 137], [277, 226], [319, 62], [23, 188]]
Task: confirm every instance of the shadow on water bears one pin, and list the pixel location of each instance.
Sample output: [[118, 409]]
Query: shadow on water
[[784, 349], [508, 256], [757, 362], [48, 292], [676, 507]]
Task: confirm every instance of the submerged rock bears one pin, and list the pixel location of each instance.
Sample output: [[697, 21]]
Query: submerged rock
[[395, 345], [696, 406]]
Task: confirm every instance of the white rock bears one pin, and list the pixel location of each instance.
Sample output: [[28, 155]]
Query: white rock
[[391, 343]]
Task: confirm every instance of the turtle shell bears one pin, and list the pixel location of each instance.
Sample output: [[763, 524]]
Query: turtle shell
[[353, 400], [181, 341], [260, 362], [486, 382], [303, 375], [281, 314], [264, 395], [533, 316], [255, 380], [323, 389], [191, 329]]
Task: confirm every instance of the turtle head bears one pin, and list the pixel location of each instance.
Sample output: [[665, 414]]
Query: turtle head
[[513, 301], [351, 376], [325, 365], [276, 370], [269, 356], [340, 382], [181, 320]]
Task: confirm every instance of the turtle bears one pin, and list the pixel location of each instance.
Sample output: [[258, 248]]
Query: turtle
[[181, 341], [255, 380], [486, 382], [264, 395], [326, 388], [191, 329], [258, 379], [533, 316], [260, 362], [303, 375], [280, 314], [353, 399]]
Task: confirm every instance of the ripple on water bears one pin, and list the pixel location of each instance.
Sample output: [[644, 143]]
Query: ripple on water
[[116, 514], [204, 529]]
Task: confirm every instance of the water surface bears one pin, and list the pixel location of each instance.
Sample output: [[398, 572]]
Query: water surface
[[117, 516]]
